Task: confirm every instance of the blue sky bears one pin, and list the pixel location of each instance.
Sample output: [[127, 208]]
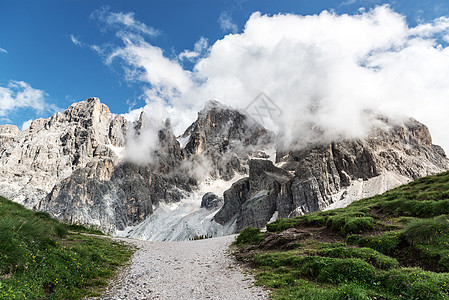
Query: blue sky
[[54, 53]]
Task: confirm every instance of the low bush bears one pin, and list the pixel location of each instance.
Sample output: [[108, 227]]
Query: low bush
[[282, 224], [414, 283], [249, 235], [369, 255], [385, 243], [426, 230], [358, 225]]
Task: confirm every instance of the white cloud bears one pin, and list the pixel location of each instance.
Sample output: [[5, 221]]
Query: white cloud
[[18, 95], [75, 40], [148, 63], [126, 20], [226, 23], [200, 46], [3, 51], [26, 125], [439, 26], [324, 71], [348, 2]]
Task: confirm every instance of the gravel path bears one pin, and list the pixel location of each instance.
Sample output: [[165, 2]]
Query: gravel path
[[200, 269]]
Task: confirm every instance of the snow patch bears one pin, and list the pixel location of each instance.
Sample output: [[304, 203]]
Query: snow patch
[[360, 189], [183, 141], [185, 219], [274, 217]]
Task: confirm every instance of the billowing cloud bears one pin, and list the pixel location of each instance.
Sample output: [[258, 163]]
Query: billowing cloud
[[328, 73], [3, 51], [148, 63], [18, 94], [226, 23]]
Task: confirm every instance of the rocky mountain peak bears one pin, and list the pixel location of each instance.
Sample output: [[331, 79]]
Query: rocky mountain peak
[[69, 165], [50, 149], [332, 174], [226, 138], [90, 111], [8, 129]]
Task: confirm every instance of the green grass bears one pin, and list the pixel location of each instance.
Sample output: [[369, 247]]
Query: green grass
[[42, 258], [391, 246], [249, 236]]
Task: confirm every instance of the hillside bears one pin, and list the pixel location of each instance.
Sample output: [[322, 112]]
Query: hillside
[[41, 257], [390, 246]]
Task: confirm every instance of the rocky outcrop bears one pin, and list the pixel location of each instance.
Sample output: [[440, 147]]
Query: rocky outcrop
[[71, 166], [284, 239], [79, 165], [7, 135], [226, 138], [34, 160], [211, 201], [252, 201], [332, 175], [115, 195], [109, 197]]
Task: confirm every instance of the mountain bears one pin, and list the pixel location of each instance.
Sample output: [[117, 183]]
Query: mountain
[[34, 160], [87, 166], [328, 176]]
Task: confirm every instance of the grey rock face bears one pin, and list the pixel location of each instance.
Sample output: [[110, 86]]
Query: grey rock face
[[284, 239], [72, 166], [49, 150], [318, 176], [252, 201], [211, 201], [226, 138], [7, 135], [113, 196], [107, 196]]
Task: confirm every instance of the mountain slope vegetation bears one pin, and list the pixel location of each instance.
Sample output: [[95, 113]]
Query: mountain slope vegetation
[[390, 246], [42, 258]]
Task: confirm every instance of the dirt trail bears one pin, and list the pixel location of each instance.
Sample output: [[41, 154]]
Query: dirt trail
[[200, 269]]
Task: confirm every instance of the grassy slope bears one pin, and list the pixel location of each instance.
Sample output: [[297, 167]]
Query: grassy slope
[[391, 246], [41, 258]]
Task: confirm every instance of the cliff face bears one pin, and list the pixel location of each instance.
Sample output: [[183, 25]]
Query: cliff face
[[225, 139], [333, 175], [76, 166], [33, 161], [113, 195]]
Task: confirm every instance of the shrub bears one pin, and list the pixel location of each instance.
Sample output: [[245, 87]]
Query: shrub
[[425, 231], [369, 255], [282, 224], [414, 283], [353, 239], [315, 219], [337, 270], [358, 225], [385, 243], [249, 235]]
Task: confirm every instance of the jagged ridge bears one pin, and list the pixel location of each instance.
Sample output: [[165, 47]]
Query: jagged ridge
[[72, 165]]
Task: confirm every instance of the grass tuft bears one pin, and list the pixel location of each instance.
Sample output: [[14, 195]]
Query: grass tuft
[[249, 236]]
